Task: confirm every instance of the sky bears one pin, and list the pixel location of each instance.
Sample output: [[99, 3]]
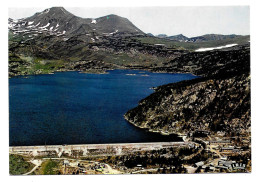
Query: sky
[[189, 21]]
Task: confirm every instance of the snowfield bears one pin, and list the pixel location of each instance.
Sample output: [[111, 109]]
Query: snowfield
[[212, 48], [94, 21]]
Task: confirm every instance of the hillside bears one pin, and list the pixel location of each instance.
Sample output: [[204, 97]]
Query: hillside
[[217, 102], [179, 43]]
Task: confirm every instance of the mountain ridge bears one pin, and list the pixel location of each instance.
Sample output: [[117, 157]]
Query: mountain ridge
[[201, 38], [57, 20]]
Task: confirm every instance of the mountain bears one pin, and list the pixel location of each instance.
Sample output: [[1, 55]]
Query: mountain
[[58, 21], [114, 24], [55, 39], [202, 38], [180, 38], [211, 37], [162, 36]]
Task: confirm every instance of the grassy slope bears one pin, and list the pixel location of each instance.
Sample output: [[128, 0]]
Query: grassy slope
[[26, 65], [18, 165], [195, 45], [50, 167]]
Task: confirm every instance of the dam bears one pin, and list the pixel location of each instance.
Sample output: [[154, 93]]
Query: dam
[[93, 149]]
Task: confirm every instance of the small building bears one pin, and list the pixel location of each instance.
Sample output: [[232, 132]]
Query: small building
[[223, 158], [227, 149], [66, 162], [212, 168], [204, 167], [198, 164], [139, 165]]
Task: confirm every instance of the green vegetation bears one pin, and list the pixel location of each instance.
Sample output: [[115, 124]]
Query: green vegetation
[[18, 165], [193, 45], [26, 65], [46, 66], [15, 38], [50, 167], [140, 59], [155, 40]]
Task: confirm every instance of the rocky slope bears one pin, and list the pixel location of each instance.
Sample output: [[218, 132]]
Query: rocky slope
[[209, 63], [217, 102], [58, 21]]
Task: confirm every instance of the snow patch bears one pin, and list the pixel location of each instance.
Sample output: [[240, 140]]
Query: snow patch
[[48, 24], [113, 32], [37, 24], [94, 21], [47, 10], [63, 11], [30, 22], [57, 25], [51, 28], [64, 32], [93, 39], [212, 48]]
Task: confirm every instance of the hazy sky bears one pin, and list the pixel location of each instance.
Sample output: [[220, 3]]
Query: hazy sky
[[190, 21]]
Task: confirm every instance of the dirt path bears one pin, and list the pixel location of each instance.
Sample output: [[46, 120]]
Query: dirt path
[[37, 163], [110, 170]]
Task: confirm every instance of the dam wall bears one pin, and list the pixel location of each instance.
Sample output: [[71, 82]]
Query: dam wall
[[92, 149]]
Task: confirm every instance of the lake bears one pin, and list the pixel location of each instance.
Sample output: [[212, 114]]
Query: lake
[[79, 108]]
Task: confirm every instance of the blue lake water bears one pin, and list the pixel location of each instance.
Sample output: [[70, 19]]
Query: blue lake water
[[77, 108]]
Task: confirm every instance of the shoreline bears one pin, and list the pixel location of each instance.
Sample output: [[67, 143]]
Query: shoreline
[[179, 135], [90, 71]]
